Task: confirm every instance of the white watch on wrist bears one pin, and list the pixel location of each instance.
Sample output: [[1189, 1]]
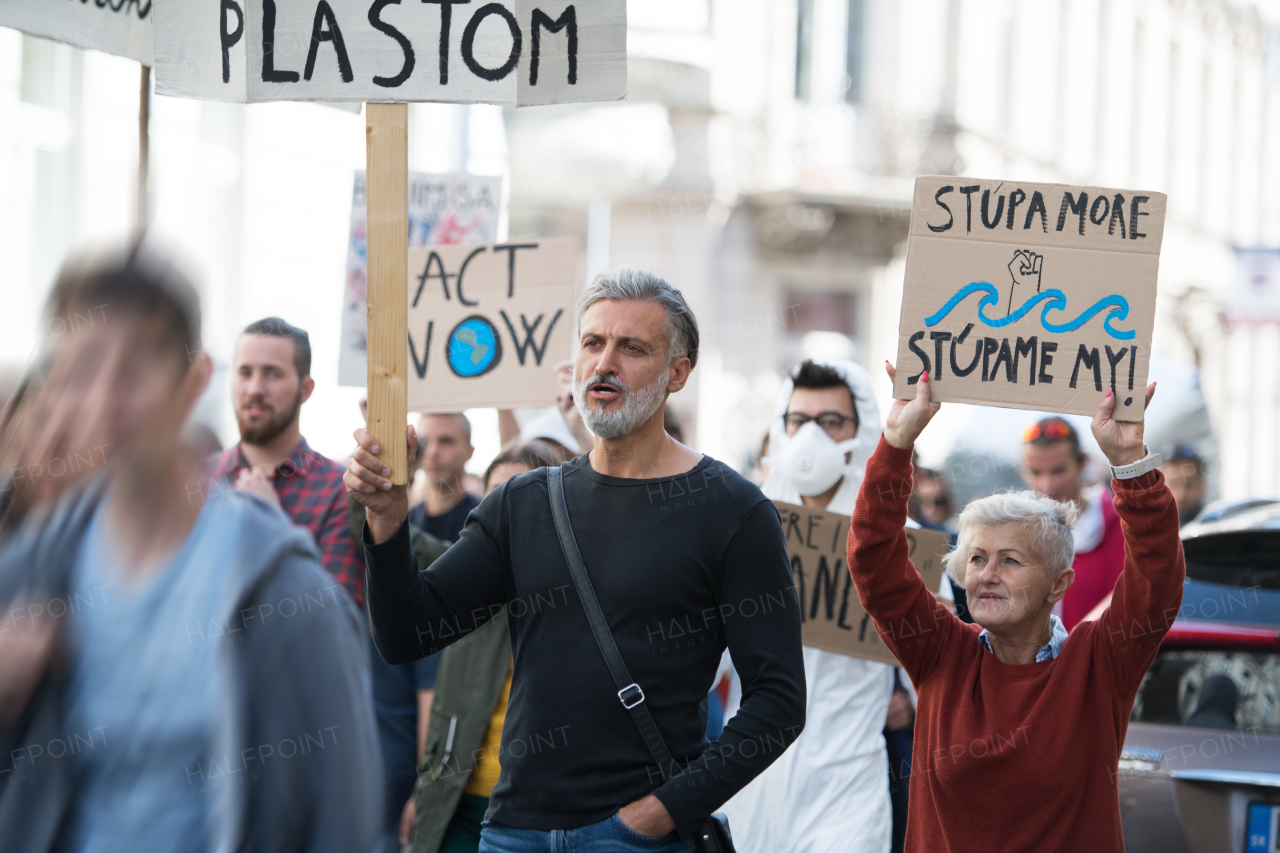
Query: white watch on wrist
[[1145, 465]]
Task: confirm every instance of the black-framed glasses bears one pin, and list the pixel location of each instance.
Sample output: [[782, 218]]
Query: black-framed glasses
[[831, 422]]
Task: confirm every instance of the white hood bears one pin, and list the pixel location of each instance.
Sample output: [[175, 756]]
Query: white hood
[[777, 487]]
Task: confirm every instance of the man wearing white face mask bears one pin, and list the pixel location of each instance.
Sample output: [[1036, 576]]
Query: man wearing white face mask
[[829, 792]]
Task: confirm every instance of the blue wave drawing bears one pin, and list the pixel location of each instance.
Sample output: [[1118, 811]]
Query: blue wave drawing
[[1116, 306]]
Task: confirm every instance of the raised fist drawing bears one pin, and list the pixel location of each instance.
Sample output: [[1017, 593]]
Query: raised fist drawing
[[1024, 269]]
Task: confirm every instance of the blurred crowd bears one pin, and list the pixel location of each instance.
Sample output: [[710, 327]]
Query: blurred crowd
[[186, 652]]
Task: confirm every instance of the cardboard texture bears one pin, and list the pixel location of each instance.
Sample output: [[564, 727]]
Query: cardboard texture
[[487, 324], [443, 210], [833, 617], [514, 52], [117, 28], [1030, 296]]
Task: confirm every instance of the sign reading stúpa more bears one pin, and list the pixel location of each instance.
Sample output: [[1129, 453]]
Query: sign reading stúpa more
[[832, 617], [488, 324], [514, 52], [1030, 296]]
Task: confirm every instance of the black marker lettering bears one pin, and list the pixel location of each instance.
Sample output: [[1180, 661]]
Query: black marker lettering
[[1078, 208], [325, 28], [406, 47], [1134, 213], [991, 223], [1047, 349], [529, 331], [511, 262], [937, 199], [231, 39], [1005, 355], [1117, 212], [446, 17], [421, 366], [1089, 358], [1093, 211], [968, 206], [568, 18], [920, 354], [269, 72], [1025, 348], [1016, 198], [1113, 358], [1037, 206], [462, 271], [977, 353], [469, 42], [938, 338]]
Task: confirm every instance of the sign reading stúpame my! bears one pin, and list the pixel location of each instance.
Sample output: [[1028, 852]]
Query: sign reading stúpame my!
[[1030, 296], [833, 618], [489, 323], [513, 52]]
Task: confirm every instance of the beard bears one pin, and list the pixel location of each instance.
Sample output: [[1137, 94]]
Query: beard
[[637, 407], [274, 424]]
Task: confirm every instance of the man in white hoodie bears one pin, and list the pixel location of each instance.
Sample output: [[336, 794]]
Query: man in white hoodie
[[829, 792]]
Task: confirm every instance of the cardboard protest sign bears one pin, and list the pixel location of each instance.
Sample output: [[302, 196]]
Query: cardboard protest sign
[[118, 27], [487, 324], [1030, 296], [833, 617], [443, 210], [514, 52]]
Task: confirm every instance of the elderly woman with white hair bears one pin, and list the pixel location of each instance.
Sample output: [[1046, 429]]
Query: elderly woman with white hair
[[1019, 726]]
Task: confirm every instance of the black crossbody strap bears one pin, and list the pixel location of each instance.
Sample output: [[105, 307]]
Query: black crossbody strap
[[629, 693]]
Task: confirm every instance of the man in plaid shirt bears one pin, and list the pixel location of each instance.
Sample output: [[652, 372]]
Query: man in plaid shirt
[[271, 379]]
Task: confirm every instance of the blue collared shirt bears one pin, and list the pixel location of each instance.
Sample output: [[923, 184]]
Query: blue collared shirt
[[1049, 650]]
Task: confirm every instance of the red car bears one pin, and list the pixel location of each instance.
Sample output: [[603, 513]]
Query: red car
[[1200, 769]]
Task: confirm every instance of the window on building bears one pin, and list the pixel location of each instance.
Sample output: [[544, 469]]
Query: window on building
[[804, 49], [855, 51]]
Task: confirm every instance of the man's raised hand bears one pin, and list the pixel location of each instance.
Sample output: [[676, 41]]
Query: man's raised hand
[[1121, 441], [908, 418], [368, 479]]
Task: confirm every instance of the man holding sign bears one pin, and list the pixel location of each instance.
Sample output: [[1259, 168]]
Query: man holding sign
[[685, 556]]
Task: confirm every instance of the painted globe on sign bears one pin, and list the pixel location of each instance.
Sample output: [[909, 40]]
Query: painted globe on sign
[[474, 347]]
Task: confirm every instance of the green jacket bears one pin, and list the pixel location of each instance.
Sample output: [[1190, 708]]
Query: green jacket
[[468, 684]]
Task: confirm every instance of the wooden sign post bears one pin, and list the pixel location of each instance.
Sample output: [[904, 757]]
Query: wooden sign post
[[387, 170]]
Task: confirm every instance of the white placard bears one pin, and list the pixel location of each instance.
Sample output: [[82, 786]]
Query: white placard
[[444, 210], [514, 52], [118, 27]]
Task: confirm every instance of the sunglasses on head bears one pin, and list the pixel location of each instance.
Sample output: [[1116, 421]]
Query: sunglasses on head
[[1052, 429]]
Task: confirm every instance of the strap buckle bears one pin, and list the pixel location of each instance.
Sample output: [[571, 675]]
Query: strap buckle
[[631, 696]]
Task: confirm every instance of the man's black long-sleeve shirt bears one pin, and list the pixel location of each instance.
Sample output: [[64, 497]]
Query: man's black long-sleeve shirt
[[682, 566]]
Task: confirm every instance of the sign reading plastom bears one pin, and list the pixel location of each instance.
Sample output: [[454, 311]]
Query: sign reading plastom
[[515, 52], [489, 323], [117, 27], [1030, 296]]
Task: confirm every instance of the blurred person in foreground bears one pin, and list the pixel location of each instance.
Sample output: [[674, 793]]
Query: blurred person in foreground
[[931, 504], [462, 760], [1184, 472], [666, 534], [830, 791], [270, 380], [205, 687], [1054, 465], [445, 448], [1004, 699]]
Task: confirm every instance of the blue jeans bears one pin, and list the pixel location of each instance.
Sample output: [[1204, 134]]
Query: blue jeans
[[610, 835]]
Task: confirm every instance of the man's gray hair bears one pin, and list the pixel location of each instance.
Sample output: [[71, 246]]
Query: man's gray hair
[[1050, 522], [629, 283]]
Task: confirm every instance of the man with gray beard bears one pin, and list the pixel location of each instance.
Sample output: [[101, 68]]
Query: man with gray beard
[[686, 557]]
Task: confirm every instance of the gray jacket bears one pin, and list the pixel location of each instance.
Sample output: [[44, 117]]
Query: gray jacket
[[301, 675]]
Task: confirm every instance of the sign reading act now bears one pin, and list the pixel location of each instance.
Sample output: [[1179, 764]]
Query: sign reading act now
[[833, 617], [1030, 296], [487, 324], [514, 52]]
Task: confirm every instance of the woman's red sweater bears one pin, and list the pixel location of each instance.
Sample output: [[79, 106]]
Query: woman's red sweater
[[1016, 757]]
